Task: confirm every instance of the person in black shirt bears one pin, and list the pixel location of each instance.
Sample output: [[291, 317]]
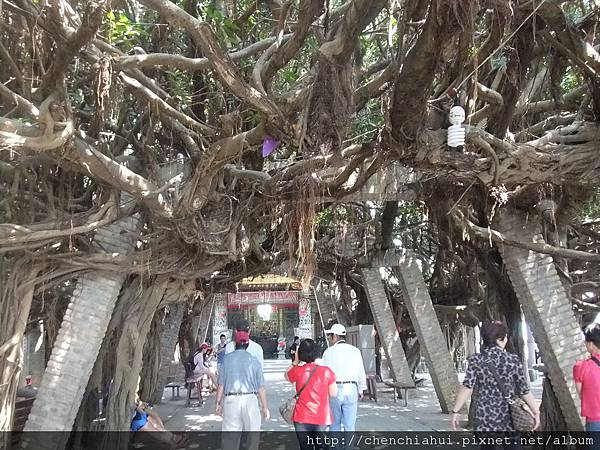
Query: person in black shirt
[[294, 347]]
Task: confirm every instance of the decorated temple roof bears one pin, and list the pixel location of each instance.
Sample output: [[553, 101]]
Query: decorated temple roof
[[269, 281]]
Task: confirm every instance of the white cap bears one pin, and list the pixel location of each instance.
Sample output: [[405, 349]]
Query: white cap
[[338, 329]]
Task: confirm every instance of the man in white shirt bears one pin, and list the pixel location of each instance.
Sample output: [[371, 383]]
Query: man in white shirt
[[254, 349], [346, 362]]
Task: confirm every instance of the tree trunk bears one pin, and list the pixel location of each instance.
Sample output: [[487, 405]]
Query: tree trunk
[[151, 360], [550, 413], [135, 312], [168, 339], [16, 298]]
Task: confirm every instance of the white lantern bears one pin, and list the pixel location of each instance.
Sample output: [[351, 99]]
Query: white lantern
[[456, 133]]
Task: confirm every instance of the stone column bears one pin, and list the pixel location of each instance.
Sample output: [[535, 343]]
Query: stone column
[[79, 340], [201, 323], [386, 326], [470, 341], [168, 340], [305, 327], [34, 352], [547, 309], [429, 333], [219, 316]]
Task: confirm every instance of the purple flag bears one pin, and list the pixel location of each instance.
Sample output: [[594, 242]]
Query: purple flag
[[269, 144]]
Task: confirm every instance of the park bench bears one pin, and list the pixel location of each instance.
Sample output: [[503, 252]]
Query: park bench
[[22, 410], [371, 392], [174, 386], [397, 387]]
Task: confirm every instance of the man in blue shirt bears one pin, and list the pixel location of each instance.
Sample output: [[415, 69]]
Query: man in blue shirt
[[241, 389]]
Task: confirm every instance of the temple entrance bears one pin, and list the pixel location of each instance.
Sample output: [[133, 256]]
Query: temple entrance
[[268, 323], [274, 305]]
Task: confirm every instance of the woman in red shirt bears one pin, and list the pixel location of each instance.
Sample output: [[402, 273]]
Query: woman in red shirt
[[312, 414], [587, 379]]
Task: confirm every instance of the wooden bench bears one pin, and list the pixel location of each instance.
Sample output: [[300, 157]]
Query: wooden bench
[[400, 387], [190, 388], [22, 410], [174, 387], [371, 392]]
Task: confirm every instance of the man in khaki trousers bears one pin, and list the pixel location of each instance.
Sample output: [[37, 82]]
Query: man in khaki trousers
[[241, 396]]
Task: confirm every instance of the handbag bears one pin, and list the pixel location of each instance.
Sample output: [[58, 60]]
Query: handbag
[[593, 358], [287, 408], [521, 416]]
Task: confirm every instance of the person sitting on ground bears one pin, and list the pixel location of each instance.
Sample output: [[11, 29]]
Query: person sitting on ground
[[146, 419]]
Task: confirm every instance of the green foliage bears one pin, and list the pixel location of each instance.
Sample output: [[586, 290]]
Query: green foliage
[[180, 86], [123, 32], [369, 121], [324, 217], [297, 67], [411, 211], [591, 210], [576, 10], [226, 28], [570, 80], [370, 50]]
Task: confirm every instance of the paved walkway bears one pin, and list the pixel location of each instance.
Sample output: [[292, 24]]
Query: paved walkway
[[422, 414]]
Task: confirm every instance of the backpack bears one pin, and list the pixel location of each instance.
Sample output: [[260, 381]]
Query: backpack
[[190, 365]]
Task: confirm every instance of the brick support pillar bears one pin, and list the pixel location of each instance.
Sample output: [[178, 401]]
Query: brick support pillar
[[79, 339], [305, 324], [547, 309], [386, 326], [168, 340], [34, 354], [201, 323], [219, 316], [429, 333]]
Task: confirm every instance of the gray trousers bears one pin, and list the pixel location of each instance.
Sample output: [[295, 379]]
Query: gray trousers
[[240, 413]]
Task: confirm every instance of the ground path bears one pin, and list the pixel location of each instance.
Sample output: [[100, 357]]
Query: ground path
[[422, 414]]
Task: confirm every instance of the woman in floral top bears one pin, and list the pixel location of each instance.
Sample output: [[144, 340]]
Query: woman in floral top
[[492, 409]]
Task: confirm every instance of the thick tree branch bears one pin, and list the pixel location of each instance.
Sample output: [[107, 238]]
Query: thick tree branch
[[356, 17], [308, 11], [24, 106], [220, 61], [99, 166], [414, 82], [12, 234], [165, 108], [169, 60], [68, 50], [496, 236]]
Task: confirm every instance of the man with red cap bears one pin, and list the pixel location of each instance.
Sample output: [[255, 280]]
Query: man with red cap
[[254, 348], [241, 395]]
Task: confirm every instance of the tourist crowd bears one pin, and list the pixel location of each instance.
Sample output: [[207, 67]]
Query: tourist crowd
[[328, 390]]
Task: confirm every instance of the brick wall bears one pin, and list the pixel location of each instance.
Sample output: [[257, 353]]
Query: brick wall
[[386, 326], [79, 339], [168, 340], [547, 309], [429, 333]]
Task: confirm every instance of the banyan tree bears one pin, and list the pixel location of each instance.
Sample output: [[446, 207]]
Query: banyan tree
[[153, 152]]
